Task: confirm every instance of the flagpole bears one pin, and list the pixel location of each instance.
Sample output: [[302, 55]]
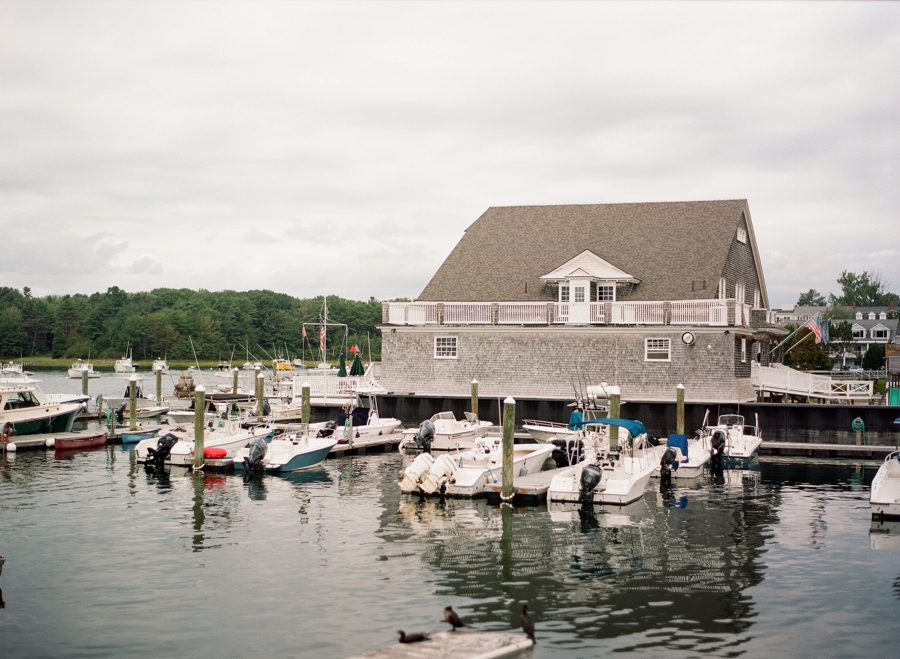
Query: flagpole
[[792, 334], [798, 343]]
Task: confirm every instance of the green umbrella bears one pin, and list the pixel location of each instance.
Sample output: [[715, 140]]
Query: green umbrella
[[342, 368], [356, 368]]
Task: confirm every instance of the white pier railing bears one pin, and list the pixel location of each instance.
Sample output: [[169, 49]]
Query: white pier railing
[[714, 313], [784, 380]]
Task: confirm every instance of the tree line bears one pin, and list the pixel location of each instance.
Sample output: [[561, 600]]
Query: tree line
[[165, 322]]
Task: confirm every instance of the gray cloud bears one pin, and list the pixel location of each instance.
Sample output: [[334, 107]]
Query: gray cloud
[[154, 144]]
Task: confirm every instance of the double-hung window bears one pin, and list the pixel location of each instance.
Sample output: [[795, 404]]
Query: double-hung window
[[657, 350], [445, 347]]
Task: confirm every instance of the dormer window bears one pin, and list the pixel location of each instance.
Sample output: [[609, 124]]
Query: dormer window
[[882, 315], [859, 332], [871, 315], [879, 332], [859, 315], [606, 292], [588, 278]]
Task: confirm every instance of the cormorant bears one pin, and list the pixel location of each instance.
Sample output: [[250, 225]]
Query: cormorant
[[451, 617], [527, 624], [411, 638]]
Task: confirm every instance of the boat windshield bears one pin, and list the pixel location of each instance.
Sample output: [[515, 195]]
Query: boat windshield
[[731, 420], [20, 400]]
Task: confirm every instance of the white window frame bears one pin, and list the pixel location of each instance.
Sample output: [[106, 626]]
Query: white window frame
[[579, 294], [444, 346], [741, 236], [723, 287], [657, 346], [879, 332], [740, 293], [604, 288], [859, 332], [743, 351], [563, 293], [757, 299]]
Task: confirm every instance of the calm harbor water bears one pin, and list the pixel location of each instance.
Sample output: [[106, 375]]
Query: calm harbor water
[[105, 559]]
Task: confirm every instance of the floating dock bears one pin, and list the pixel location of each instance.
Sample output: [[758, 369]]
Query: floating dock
[[528, 489], [808, 449], [459, 645]]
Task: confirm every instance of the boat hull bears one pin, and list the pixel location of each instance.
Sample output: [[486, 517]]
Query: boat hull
[[45, 419], [75, 374], [615, 490], [884, 496], [88, 441]]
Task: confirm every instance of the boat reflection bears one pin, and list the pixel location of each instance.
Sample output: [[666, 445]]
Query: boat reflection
[[885, 534], [682, 555]]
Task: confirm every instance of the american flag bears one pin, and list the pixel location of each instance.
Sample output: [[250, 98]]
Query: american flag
[[304, 332], [813, 325], [322, 337]]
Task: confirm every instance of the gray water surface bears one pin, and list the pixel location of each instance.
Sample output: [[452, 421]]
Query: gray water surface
[[105, 559]]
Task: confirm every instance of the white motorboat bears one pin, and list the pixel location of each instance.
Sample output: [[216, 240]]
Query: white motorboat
[[545, 431], [124, 365], [450, 434], [223, 370], [287, 452], [45, 398], [885, 495], [682, 458], [21, 405], [79, 367], [224, 434], [465, 474], [160, 365], [737, 442], [11, 368], [605, 476]]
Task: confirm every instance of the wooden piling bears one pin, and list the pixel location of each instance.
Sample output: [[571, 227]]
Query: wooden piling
[[509, 429], [132, 399], [84, 383], [305, 408], [234, 381], [679, 409], [199, 424], [260, 395], [614, 411], [474, 396], [159, 385]]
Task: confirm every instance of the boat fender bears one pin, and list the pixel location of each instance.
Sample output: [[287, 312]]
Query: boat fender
[[214, 452], [50, 443], [11, 447], [523, 471]]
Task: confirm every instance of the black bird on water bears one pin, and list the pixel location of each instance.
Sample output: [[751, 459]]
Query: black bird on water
[[451, 617], [411, 638], [527, 624]]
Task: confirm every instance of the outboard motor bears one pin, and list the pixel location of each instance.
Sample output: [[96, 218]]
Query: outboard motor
[[567, 452], [267, 409], [591, 475], [425, 435], [254, 461], [160, 454], [667, 464], [717, 444], [328, 430], [120, 412]]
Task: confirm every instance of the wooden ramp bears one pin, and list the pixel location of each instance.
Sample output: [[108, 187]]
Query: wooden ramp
[[459, 645]]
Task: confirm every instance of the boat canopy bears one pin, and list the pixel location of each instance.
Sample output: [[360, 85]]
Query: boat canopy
[[634, 427]]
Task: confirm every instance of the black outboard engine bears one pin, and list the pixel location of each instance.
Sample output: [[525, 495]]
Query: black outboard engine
[[591, 475], [267, 409], [425, 435], [717, 444], [160, 454], [567, 452], [254, 461], [328, 430], [120, 412], [668, 464]]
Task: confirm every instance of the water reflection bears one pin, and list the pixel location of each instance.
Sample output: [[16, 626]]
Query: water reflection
[[683, 555]]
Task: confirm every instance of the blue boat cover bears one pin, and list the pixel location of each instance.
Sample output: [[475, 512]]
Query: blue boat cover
[[679, 442], [634, 427]]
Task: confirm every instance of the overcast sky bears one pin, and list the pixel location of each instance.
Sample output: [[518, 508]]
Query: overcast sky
[[344, 148]]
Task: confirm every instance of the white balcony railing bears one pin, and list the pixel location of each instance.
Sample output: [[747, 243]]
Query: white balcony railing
[[578, 313], [467, 313], [522, 313], [637, 313], [412, 313], [700, 312]]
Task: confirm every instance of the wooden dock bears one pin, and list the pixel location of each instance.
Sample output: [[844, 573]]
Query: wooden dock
[[529, 489], [806, 449], [459, 645]]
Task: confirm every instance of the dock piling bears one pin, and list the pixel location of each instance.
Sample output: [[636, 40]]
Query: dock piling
[[260, 395], [159, 385], [84, 383], [615, 398], [305, 408], [509, 429], [679, 409], [199, 424], [132, 399], [234, 381], [474, 396]]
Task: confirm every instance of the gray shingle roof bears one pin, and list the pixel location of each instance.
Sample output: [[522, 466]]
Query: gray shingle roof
[[667, 245]]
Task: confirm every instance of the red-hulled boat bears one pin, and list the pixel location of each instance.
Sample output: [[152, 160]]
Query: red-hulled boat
[[73, 441]]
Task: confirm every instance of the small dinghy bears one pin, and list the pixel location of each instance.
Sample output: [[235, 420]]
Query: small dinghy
[[885, 494], [83, 441]]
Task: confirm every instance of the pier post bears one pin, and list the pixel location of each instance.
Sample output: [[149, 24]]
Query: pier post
[[199, 424], [112, 422], [234, 381], [260, 395], [509, 429], [84, 383], [679, 409], [474, 396], [159, 385], [615, 401], [132, 398], [100, 407], [304, 405]]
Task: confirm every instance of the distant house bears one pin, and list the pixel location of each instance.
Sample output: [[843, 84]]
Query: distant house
[[536, 301]]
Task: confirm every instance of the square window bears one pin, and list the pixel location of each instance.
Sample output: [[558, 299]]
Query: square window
[[657, 350], [564, 293], [445, 347], [606, 294]]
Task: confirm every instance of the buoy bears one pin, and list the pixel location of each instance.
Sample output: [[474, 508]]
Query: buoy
[[11, 448], [51, 442], [214, 453]]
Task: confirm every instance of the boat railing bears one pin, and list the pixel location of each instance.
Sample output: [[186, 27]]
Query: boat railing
[[544, 424]]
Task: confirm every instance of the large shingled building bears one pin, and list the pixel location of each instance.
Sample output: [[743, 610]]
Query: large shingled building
[[645, 296]]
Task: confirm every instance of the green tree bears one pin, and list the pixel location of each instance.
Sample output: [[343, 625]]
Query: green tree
[[874, 357], [863, 290], [812, 298], [808, 355]]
